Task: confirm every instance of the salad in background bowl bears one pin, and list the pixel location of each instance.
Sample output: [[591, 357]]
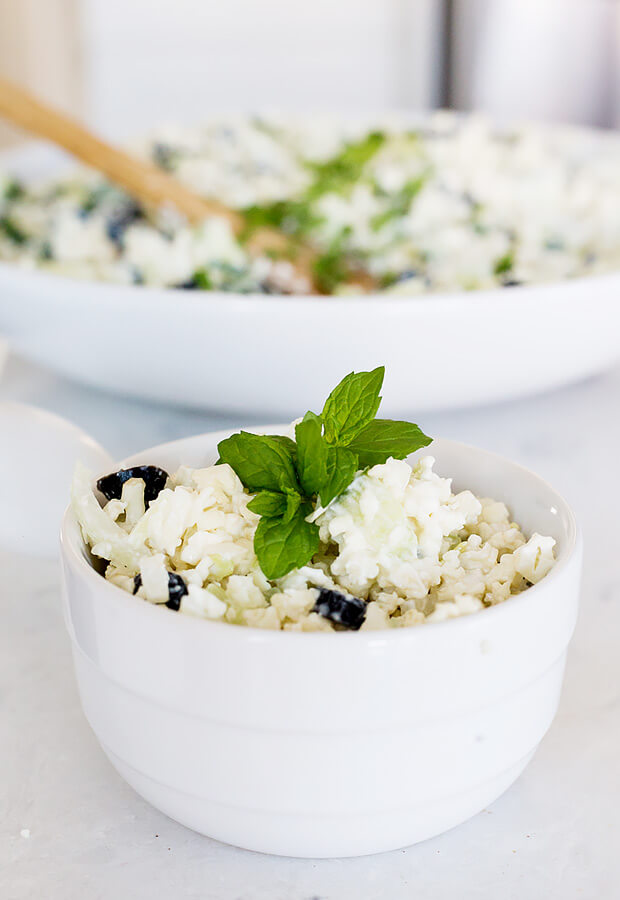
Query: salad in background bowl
[[454, 203], [496, 253]]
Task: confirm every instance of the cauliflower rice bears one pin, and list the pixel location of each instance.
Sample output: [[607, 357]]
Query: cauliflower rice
[[454, 204], [397, 548]]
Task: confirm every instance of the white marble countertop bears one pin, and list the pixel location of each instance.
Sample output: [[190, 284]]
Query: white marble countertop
[[70, 828]]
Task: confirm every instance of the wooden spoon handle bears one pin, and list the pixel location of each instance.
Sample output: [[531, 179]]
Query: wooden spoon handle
[[141, 179], [147, 183]]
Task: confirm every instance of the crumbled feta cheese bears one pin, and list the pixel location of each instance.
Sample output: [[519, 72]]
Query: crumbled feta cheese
[[154, 576], [203, 602]]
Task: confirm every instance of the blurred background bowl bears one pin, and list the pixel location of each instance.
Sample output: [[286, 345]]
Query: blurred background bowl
[[273, 355], [276, 354]]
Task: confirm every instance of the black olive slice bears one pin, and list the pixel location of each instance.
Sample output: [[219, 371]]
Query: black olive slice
[[111, 486], [177, 589], [349, 612]]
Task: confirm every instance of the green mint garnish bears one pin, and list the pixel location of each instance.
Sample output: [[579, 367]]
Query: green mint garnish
[[333, 267], [342, 464], [299, 216], [400, 202], [270, 504], [14, 190], [352, 405], [12, 231], [290, 477], [282, 545], [383, 438], [291, 216], [504, 264], [262, 462], [312, 452], [202, 280], [343, 171]]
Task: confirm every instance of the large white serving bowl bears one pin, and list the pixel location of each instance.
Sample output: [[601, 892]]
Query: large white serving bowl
[[275, 355], [318, 744]]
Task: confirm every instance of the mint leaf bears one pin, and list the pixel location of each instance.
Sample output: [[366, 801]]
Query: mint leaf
[[311, 453], [293, 502], [342, 464], [269, 504], [282, 546], [287, 442], [262, 462], [383, 438], [352, 405]]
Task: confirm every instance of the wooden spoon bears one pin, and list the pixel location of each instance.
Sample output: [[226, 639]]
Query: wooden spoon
[[150, 185]]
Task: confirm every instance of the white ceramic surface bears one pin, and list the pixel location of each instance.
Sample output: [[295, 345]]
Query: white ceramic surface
[[38, 452], [326, 745], [272, 356]]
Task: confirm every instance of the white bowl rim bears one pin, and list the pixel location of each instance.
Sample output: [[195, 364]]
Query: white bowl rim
[[72, 545], [142, 293]]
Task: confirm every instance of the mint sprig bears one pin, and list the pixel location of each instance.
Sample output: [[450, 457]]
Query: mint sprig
[[290, 477], [352, 405]]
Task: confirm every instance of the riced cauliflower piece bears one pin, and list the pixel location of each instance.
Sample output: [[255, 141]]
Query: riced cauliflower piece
[[535, 559]]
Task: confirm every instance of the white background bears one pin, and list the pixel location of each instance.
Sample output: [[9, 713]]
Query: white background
[[152, 60], [147, 61]]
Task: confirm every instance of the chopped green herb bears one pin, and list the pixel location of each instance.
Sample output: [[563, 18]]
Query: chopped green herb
[[346, 168], [14, 190], [400, 203], [298, 218], [291, 216], [202, 280], [504, 264], [12, 231], [333, 267]]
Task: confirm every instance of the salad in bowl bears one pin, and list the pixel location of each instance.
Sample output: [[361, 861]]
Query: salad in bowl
[[306, 641], [326, 528]]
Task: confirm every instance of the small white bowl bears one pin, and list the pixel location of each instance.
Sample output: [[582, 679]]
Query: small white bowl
[[324, 745]]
